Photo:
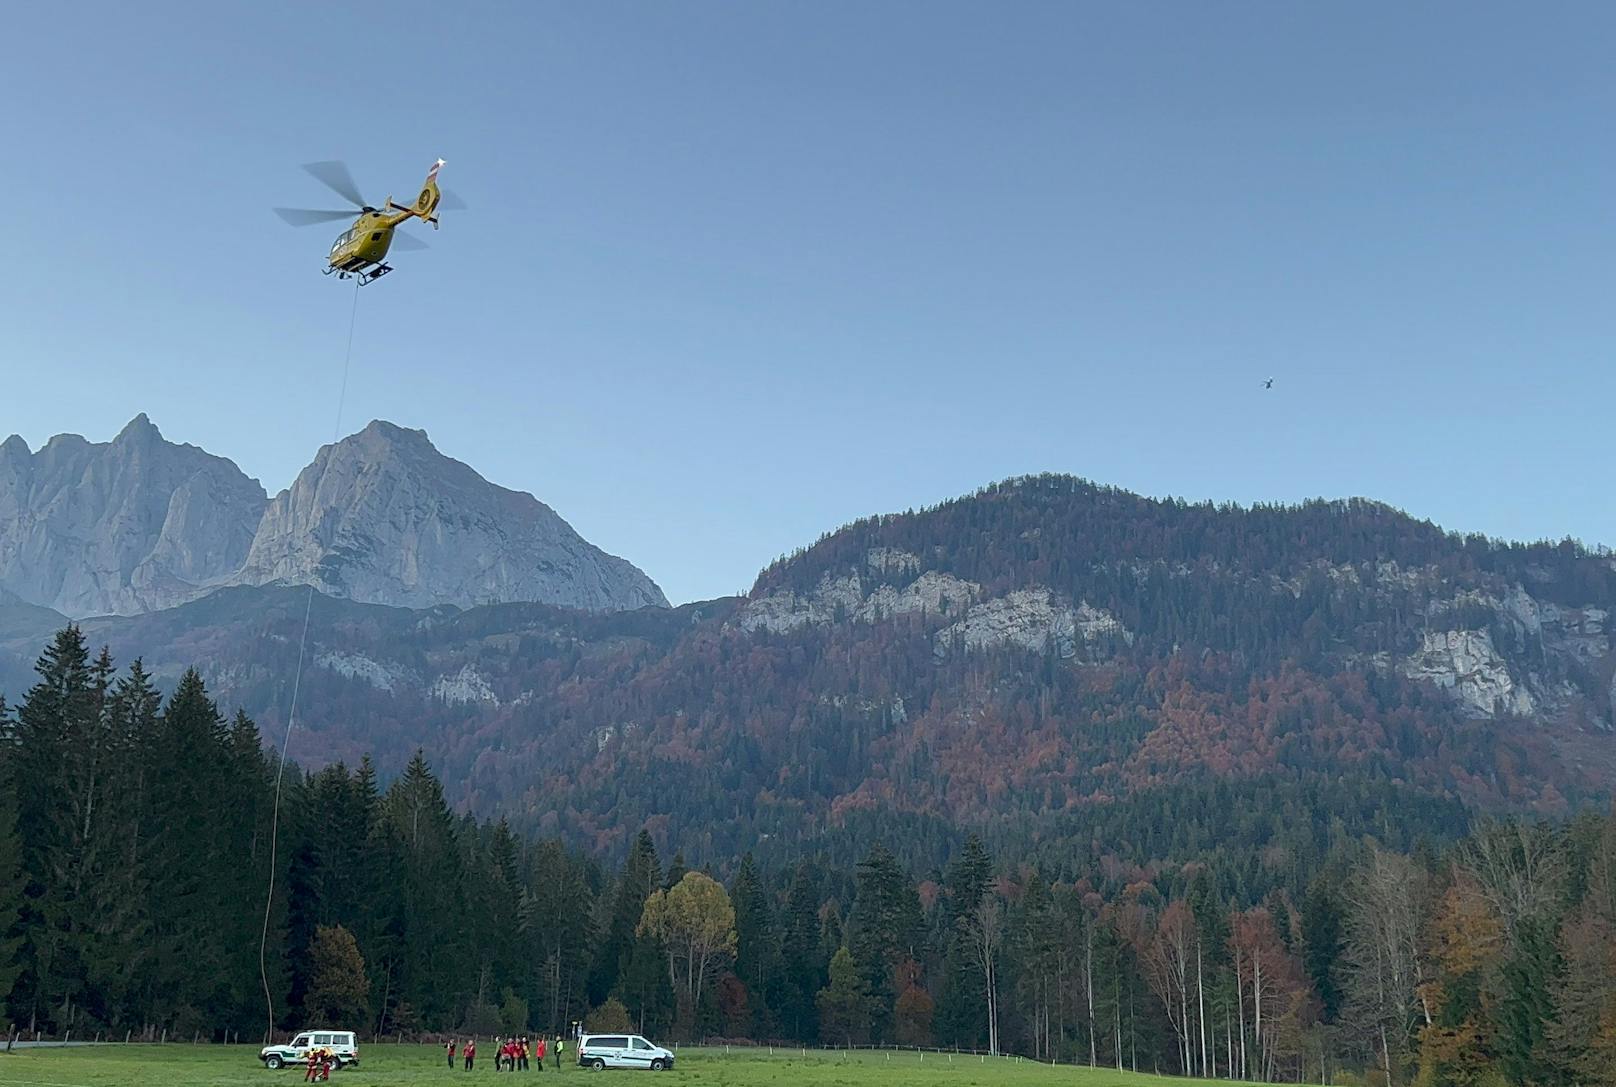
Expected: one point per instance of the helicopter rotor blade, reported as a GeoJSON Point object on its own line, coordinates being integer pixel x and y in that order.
{"type": "Point", "coordinates": [409, 243]}
{"type": "Point", "coordinates": [309, 216]}
{"type": "Point", "coordinates": [451, 202]}
{"type": "Point", "coordinates": [334, 175]}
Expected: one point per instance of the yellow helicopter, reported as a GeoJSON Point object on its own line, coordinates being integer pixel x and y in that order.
{"type": "Point", "coordinates": [361, 251]}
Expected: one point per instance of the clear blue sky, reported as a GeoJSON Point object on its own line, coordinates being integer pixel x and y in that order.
{"type": "Point", "coordinates": [739, 272]}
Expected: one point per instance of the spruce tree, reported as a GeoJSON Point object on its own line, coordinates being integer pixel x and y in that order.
{"type": "Point", "coordinates": [676, 871]}
{"type": "Point", "coordinates": [1322, 943]}
{"type": "Point", "coordinates": [56, 772]}
{"type": "Point", "coordinates": [801, 965]}
{"type": "Point", "coordinates": [557, 923]}
{"type": "Point", "coordinates": [844, 1009]}
{"type": "Point", "coordinates": [642, 874]}
{"type": "Point", "coordinates": [11, 877]}
{"type": "Point", "coordinates": [962, 1010]}
{"type": "Point", "coordinates": [434, 969]}
{"type": "Point", "coordinates": [757, 952]}
{"type": "Point", "coordinates": [339, 992]}
{"type": "Point", "coordinates": [1527, 1007]}
{"type": "Point", "coordinates": [885, 929]}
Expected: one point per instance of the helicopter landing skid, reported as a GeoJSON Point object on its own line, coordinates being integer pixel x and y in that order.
{"type": "Point", "coordinates": [363, 276]}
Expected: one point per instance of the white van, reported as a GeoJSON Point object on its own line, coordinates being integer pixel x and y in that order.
{"type": "Point", "coordinates": [622, 1051]}
{"type": "Point", "coordinates": [341, 1043]}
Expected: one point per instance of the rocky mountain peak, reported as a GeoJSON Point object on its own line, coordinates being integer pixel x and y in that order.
{"type": "Point", "coordinates": [141, 523]}
{"type": "Point", "coordinates": [121, 527]}
{"type": "Point", "coordinates": [379, 435]}
{"type": "Point", "coordinates": [384, 517]}
{"type": "Point", "coordinates": [140, 429]}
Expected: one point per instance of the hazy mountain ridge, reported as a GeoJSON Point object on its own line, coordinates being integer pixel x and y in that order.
{"type": "Point", "coordinates": [1019, 657]}
{"type": "Point", "coordinates": [141, 524]}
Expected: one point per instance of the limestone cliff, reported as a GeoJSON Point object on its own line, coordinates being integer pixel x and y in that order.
{"type": "Point", "coordinates": [121, 527]}
{"type": "Point", "coordinates": [142, 524]}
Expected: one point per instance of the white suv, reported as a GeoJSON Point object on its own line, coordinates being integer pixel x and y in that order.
{"type": "Point", "coordinates": [340, 1042]}
{"type": "Point", "coordinates": [622, 1051]}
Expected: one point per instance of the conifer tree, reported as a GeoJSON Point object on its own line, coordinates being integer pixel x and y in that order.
{"type": "Point", "coordinates": [962, 1010]}
{"type": "Point", "coordinates": [434, 969]}
{"type": "Point", "coordinates": [642, 874]}
{"type": "Point", "coordinates": [339, 991]}
{"type": "Point", "coordinates": [1322, 941]}
{"type": "Point", "coordinates": [756, 951]}
{"type": "Point", "coordinates": [1529, 977]}
{"type": "Point", "coordinates": [800, 962]}
{"type": "Point", "coordinates": [58, 727]}
{"type": "Point", "coordinates": [885, 929]}
{"type": "Point", "coordinates": [557, 920]}
{"type": "Point", "coordinates": [11, 877]}
{"type": "Point", "coordinates": [843, 1005]}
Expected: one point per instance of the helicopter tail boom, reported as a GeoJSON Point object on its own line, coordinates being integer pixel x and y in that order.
{"type": "Point", "coordinates": [426, 204]}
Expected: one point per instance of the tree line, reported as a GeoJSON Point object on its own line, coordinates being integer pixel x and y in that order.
{"type": "Point", "coordinates": [135, 858]}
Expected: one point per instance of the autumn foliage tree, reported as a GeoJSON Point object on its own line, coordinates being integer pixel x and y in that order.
{"type": "Point", "coordinates": [1466, 949]}
{"type": "Point", "coordinates": [695, 921]}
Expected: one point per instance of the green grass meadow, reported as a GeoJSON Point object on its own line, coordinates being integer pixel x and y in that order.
{"type": "Point", "coordinates": [227, 1066]}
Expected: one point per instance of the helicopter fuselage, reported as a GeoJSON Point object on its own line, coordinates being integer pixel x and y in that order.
{"type": "Point", "coordinates": [365, 243]}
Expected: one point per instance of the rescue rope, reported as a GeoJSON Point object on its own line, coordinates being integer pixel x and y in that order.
{"type": "Point", "coordinates": [291, 716]}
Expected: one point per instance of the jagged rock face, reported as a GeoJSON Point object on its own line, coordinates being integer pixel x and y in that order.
{"type": "Point", "coordinates": [121, 527]}
{"type": "Point", "coordinates": [1467, 665]}
{"type": "Point", "coordinates": [839, 598]}
{"type": "Point", "coordinates": [465, 686]}
{"type": "Point", "coordinates": [141, 524]}
{"type": "Point", "coordinates": [383, 517]}
{"type": "Point", "coordinates": [1034, 619]}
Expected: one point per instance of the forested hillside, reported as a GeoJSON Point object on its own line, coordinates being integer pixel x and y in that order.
{"type": "Point", "coordinates": [1077, 674]}
{"type": "Point", "coordinates": [135, 857]}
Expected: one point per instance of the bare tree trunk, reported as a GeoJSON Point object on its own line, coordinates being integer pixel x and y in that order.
{"type": "Point", "coordinates": [1240, 999]}
{"type": "Point", "coordinates": [1088, 982]}
{"type": "Point", "coordinates": [1228, 1041]}
{"type": "Point", "coordinates": [1256, 1007]}
{"type": "Point", "coordinates": [1116, 989]}
{"type": "Point", "coordinates": [1200, 1000]}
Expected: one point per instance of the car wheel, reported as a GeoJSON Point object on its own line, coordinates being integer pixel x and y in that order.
{"type": "Point", "coordinates": [272, 1062]}
{"type": "Point", "coordinates": [656, 1065]}
{"type": "Point", "coordinates": [598, 1064]}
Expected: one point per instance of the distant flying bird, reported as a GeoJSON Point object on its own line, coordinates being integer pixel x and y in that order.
{"type": "Point", "coordinates": [1269, 384]}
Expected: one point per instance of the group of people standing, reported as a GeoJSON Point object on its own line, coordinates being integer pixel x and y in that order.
{"type": "Point", "coordinates": [319, 1065]}
{"type": "Point", "coordinates": [512, 1055]}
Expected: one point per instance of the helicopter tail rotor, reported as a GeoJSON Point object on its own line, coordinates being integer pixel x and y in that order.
{"type": "Point", "coordinates": [426, 204]}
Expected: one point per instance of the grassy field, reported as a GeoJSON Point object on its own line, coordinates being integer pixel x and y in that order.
{"type": "Point", "coordinates": [227, 1066]}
